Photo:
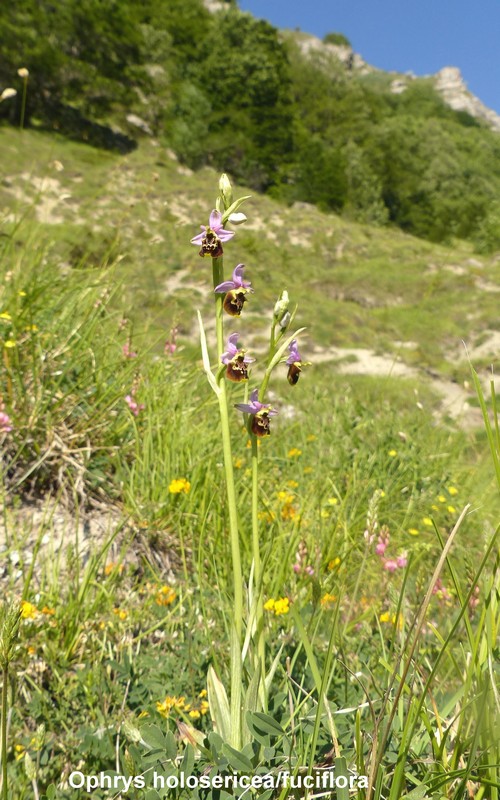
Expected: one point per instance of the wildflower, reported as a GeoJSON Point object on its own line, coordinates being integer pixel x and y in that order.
{"type": "Point", "coordinates": [413, 531]}
{"type": "Point", "coordinates": [194, 714]}
{"type": "Point", "coordinates": [292, 484]}
{"type": "Point", "coordinates": [382, 543]}
{"type": "Point", "coordinates": [213, 236]}
{"type": "Point", "coordinates": [392, 453]}
{"type": "Point", "coordinates": [332, 501]}
{"type": "Point", "coordinates": [238, 463]}
{"type": "Point", "coordinates": [203, 693]}
{"type": "Point", "coordinates": [9, 343]}
{"type": "Point", "coordinates": [451, 509]}
{"type": "Point", "coordinates": [5, 422]}
{"type": "Point", "coordinates": [204, 707]}
{"type": "Point", "coordinates": [235, 360]}
{"type": "Point", "coordinates": [112, 567]}
{"type": "Point", "coordinates": [452, 490]}
{"type": "Point", "coordinates": [295, 363]}
{"type": "Point", "coordinates": [135, 407]}
{"type": "Point", "coordinates": [390, 564]}
{"type": "Point", "coordinates": [120, 613]}
{"type": "Point", "coordinates": [165, 596]}
{"type": "Point", "coordinates": [170, 704]}
{"type": "Point", "coordinates": [402, 560]}
{"type": "Point", "coordinates": [178, 485]}
{"type": "Point", "coordinates": [335, 562]}
{"type": "Point", "coordinates": [328, 599]}
{"type": "Point", "coordinates": [294, 452]}
{"type": "Point", "coordinates": [288, 512]}
{"type": "Point", "coordinates": [278, 607]}
{"type": "Point", "coordinates": [427, 521]}
{"type": "Point", "coordinates": [28, 610]}
{"type": "Point", "coordinates": [260, 412]}
{"type": "Point", "coordinates": [7, 93]}
{"type": "Point", "coordinates": [23, 72]}
{"type": "Point", "coordinates": [127, 352]}
{"type": "Point", "coordinates": [235, 291]}
{"type": "Point", "coordinates": [442, 498]}
{"type": "Point", "coordinates": [5, 315]}
{"type": "Point", "coordinates": [49, 612]}
{"type": "Point", "coordinates": [171, 344]}
{"type": "Point", "coordinates": [311, 438]}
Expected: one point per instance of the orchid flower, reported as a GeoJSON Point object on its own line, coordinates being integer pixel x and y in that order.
{"type": "Point", "coordinates": [261, 412]}
{"type": "Point", "coordinates": [236, 360]}
{"type": "Point", "coordinates": [295, 363]}
{"type": "Point", "coordinates": [235, 290]}
{"type": "Point", "coordinates": [212, 236]}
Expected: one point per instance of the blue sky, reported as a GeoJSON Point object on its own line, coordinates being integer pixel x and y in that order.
{"type": "Point", "coordinates": [421, 36]}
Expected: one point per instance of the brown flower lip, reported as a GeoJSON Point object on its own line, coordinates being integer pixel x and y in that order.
{"type": "Point", "coordinates": [234, 301]}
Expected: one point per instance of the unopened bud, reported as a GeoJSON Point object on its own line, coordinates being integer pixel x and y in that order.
{"type": "Point", "coordinates": [7, 93]}
{"type": "Point", "coordinates": [129, 762]}
{"type": "Point", "coordinates": [285, 321]}
{"type": "Point", "coordinates": [23, 72]}
{"type": "Point", "coordinates": [132, 733]}
{"type": "Point", "coordinates": [281, 307]}
{"type": "Point", "coordinates": [226, 190]}
{"type": "Point", "coordinates": [237, 218]}
{"type": "Point", "coordinates": [29, 767]}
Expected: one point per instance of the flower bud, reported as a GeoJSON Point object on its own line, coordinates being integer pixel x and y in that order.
{"type": "Point", "coordinates": [237, 218]}
{"type": "Point", "coordinates": [226, 190]}
{"type": "Point", "coordinates": [285, 321]}
{"type": "Point", "coordinates": [7, 93]}
{"type": "Point", "coordinates": [281, 307]}
{"type": "Point", "coordinates": [23, 72]}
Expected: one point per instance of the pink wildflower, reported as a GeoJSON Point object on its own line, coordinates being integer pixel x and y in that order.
{"type": "Point", "coordinates": [5, 423]}
{"type": "Point", "coordinates": [382, 544]}
{"type": "Point", "coordinates": [390, 565]}
{"type": "Point", "coordinates": [127, 352]}
{"type": "Point", "coordinates": [402, 560]}
{"type": "Point", "coordinates": [134, 407]}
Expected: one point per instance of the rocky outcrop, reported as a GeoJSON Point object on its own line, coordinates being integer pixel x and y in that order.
{"type": "Point", "coordinates": [451, 85]}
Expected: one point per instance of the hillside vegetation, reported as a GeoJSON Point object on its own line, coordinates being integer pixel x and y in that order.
{"type": "Point", "coordinates": [233, 92]}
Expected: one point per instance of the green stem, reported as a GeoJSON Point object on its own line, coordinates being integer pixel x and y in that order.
{"type": "Point", "coordinates": [5, 675]}
{"type": "Point", "coordinates": [237, 625]}
{"type": "Point", "coordinates": [23, 105]}
{"type": "Point", "coordinates": [257, 566]}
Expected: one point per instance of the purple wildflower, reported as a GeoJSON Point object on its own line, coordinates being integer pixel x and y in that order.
{"type": "Point", "coordinates": [236, 360]}
{"type": "Point", "coordinates": [261, 412]}
{"type": "Point", "coordinates": [212, 236]}
{"type": "Point", "coordinates": [235, 291]}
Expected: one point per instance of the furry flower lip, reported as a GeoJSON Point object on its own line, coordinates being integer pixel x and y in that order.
{"type": "Point", "coordinates": [260, 412]}
{"type": "Point", "coordinates": [235, 291]}
{"type": "Point", "coordinates": [295, 363]}
{"type": "Point", "coordinates": [212, 236]}
{"type": "Point", "coordinates": [235, 360]}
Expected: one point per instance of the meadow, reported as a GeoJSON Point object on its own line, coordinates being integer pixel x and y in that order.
{"type": "Point", "coordinates": [186, 597]}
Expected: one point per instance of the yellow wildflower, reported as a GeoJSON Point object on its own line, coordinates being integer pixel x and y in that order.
{"type": "Point", "coordinates": [286, 497]}
{"type": "Point", "coordinates": [5, 315]}
{"type": "Point", "coordinates": [194, 714]}
{"type": "Point", "coordinates": [413, 531]}
{"type": "Point", "coordinates": [435, 507]}
{"type": "Point", "coordinates": [267, 516]}
{"type": "Point", "coordinates": [392, 453]}
{"type": "Point", "coordinates": [238, 463]}
{"type": "Point", "coordinates": [9, 343]}
{"type": "Point", "coordinates": [308, 470]}
{"type": "Point", "coordinates": [451, 509]}
{"type": "Point", "coordinates": [294, 452]}
{"type": "Point", "coordinates": [332, 501]}
{"type": "Point", "coordinates": [112, 566]}
{"type": "Point", "coordinates": [328, 599]}
{"type": "Point", "coordinates": [203, 693]}
{"type": "Point", "coordinates": [120, 613]}
{"type": "Point", "coordinates": [178, 485]}
{"type": "Point", "coordinates": [22, 294]}
{"type": "Point", "coordinates": [269, 604]}
{"type": "Point", "coordinates": [427, 521]}
{"type": "Point", "coordinates": [282, 606]}
{"type": "Point", "coordinates": [325, 513]}
{"type": "Point", "coordinates": [288, 512]}
{"type": "Point", "coordinates": [165, 596]}
{"type": "Point", "coordinates": [334, 563]}
{"type": "Point", "coordinates": [48, 611]}
{"type": "Point", "coordinates": [385, 617]}
{"type": "Point", "coordinates": [452, 490]}
{"type": "Point", "coordinates": [442, 498]}
{"type": "Point", "coordinates": [28, 610]}
{"type": "Point", "coordinates": [292, 484]}
{"type": "Point", "coordinates": [204, 707]}
{"type": "Point", "coordinates": [311, 438]}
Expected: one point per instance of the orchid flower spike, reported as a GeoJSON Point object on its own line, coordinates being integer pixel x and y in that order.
{"type": "Point", "coordinates": [295, 363]}
{"type": "Point", "coordinates": [261, 412]}
{"type": "Point", "coordinates": [236, 361]}
{"type": "Point", "coordinates": [236, 291]}
{"type": "Point", "coordinates": [212, 236]}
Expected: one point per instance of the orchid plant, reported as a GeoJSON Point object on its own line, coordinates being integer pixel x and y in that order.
{"type": "Point", "coordinates": [233, 364]}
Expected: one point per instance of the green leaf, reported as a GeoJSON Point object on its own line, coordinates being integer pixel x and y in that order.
{"type": "Point", "coordinates": [237, 760]}
{"type": "Point", "coordinates": [153, 737]}
{"type": "Point", "coordinates": [187, 762]}
{"type": "Point", "coordinates": [219, 705]}
{"type": "Point", "coordinates": [341, 769]}
{"type": "Point", "coordinates": [170, 746]}
{"type": "Point", "coordinates": [267, 724]}
{"type": "Point", "coordinates": [418, 793]}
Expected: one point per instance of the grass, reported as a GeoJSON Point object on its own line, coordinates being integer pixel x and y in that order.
{"type": "Point", "coordinates": [127, 583]}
